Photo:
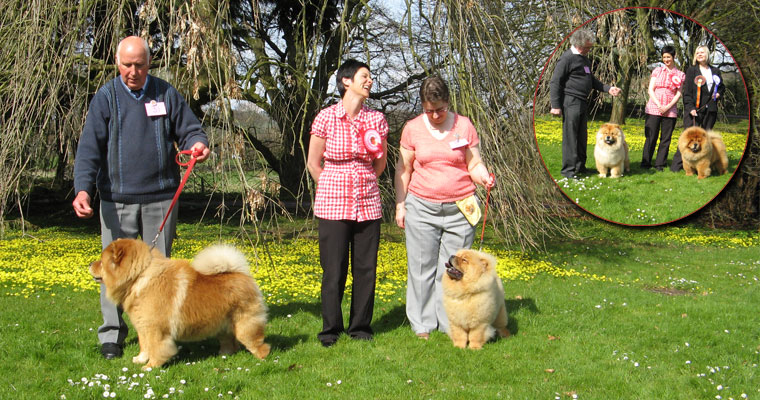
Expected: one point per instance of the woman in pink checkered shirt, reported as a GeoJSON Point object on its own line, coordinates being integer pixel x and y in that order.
{"type": "Point", "coordinates": [438, 165]}
{"type": "Point", "coordinates": [347, 152]}
{"type": "Point", "coordinates": [661, 111]}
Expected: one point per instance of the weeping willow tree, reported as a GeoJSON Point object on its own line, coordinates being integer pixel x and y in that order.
{"type": "Point", "coordinates": [281, 56]}
{"type": "Point", "coordinates": [44, 84]}
{"type": "Point", "coordinates": [56, 54]}
{"type": "Point", "coordinates": [490, 53]}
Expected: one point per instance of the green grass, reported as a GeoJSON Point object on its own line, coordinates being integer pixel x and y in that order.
{"type": "Point", "coordinates": [640, 197]}
{"type": "Point", "coordinates": [625, 313]}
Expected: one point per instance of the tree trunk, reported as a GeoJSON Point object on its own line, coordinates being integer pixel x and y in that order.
{"type": "Point", "coordinates": [620, 103]}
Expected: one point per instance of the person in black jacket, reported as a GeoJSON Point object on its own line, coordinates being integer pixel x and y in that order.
{"type": "Point", "coordinates": [570, 87]}
{"type": "Point", "coordinates": [700, 99]}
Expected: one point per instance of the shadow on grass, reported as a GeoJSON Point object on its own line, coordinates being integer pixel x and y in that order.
{"type": "Point", "coordinates": [390, 320]}
{"type": "Point", "coordinates": [515, 305]}
{"type": "Point", "coordinates": [282, 310]}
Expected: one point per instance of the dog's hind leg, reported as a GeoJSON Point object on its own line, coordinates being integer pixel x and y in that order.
{"type": "Point", "coordinates": [722, 164]}
{"type": "Point", "coordinates": [500, 324]}
{"type": "Point", "coordinates": [250, 332]}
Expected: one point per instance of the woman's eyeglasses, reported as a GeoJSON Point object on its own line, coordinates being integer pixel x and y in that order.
{"type": "Point", "coordinates": [437, 111]}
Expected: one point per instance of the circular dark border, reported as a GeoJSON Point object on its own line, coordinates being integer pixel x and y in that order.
{"type": "Point", "coordinates": [541, 77]}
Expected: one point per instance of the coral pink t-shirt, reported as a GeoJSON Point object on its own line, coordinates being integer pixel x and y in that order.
{"type": "Point", "coordinates": [439, 172]}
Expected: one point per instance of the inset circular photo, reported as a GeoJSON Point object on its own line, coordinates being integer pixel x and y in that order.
{"type": "Point", "coordinates": [641, 116]}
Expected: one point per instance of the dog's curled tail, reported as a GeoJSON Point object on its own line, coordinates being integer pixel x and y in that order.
{"type": "Point", "coordinates": [220, 258]}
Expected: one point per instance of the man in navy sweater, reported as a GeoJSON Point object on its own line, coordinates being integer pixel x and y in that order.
{"type": "Point", "coordinates": [126, 153]}
{"type": "Point", "coordinates": [570, 86]}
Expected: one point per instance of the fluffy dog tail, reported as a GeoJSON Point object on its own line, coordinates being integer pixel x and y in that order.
{"type": "Point", "coordinates": [220, 258]}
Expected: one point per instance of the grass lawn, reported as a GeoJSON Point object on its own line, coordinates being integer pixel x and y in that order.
{"type": "Point", "coordinates": [641, 196]}
{"type": "Point", "coordinates": [627, 313]}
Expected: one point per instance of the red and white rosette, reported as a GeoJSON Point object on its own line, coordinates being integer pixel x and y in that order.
{"type": "Point", "coordinates": [373, 142]}
{"type": "Point", "coordinates": [675, 81]}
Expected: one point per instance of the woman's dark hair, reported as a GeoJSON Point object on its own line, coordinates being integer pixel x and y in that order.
{"type": "Point", "coordinates": [669, 50]}
{"type": "Point", "coordinates": [434, 89]}
{"type": "Point", "coordinates": [347, 70]}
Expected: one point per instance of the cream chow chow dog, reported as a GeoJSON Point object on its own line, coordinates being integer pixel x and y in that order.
{"type": "Point", "coordinates": [473, 297]}
{"type": "Point", "coordinates": [611, 151]}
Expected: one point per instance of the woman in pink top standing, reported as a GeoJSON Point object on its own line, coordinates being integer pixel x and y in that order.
{"type": "Point", "coordinates": [347, 201]}
{"type": "Point", "coordinates": [438, 165]}
{"type": "Point", "coordinates": [661, 111]}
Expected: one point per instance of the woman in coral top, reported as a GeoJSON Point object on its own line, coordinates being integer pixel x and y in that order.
{"type": "Point", "coordinates": [347, 201]}
{"type": "Point", "coordinates": [661, 111]}
{"type": "Point", "coordinates": [438, 165]}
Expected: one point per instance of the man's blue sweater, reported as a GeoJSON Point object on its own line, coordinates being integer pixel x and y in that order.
{"type": "Point", "coordinates": [128, 155]}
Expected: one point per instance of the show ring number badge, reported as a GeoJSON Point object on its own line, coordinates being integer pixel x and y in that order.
{"type": "Point", "coordinates": [459, 143]}
{"type": "Point", "coordinates": [155, 109]}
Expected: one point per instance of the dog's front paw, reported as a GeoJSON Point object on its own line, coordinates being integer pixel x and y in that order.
{"type": "Point", "coordinates": [476, 345]}
{"type": "Point", "coordinates": [141, 358]}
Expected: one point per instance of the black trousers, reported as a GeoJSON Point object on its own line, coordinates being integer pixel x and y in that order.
{"type": "Point", "coordinates": [338, 239]}
{"type": "Point", "coordinates": [574, 136]}
{"type": "Point", "coordinates": [657, 127]}
{"type": "Point", "coordinates": [705, 120]}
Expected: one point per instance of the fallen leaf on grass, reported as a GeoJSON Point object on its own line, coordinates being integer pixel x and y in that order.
{"type": "Point", "coordinates": [549, 370]}
{"type": "Point", "coordinates": [552, 337]}
{"type": "Point", "coordinates": [294, 366]}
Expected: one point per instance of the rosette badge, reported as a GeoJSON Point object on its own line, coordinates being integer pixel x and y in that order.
{"type": "Point", "coordinates": [716, 82]}
{"type": "Point", "coordinates": [373, 142]}
{"type": "Point", "coordinates": [699, 80]}
{"type": "Point", "coordinates": [676, 81]}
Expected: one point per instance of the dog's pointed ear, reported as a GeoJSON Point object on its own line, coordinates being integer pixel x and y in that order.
{"type": "Point", "coordinates": [483, 262]}
{"type": "Point", "coordinates": [118, 251]}
{"type": "Point", "coordinates": [487, 260]}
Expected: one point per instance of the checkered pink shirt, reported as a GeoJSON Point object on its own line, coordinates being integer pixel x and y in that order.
{"type": "Point", "coordinates": [347, 187]}
{"type": "Point", "coordinates": [666, 84]}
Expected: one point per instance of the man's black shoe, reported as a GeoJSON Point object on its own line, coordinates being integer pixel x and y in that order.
{"type": "Point", "coordinates": [111, 350]}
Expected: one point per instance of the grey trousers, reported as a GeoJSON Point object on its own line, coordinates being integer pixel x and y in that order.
{"type": "Point", "coordinates": [434, 232]}
{"type": "Point", "coordinates": [119, 221]}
